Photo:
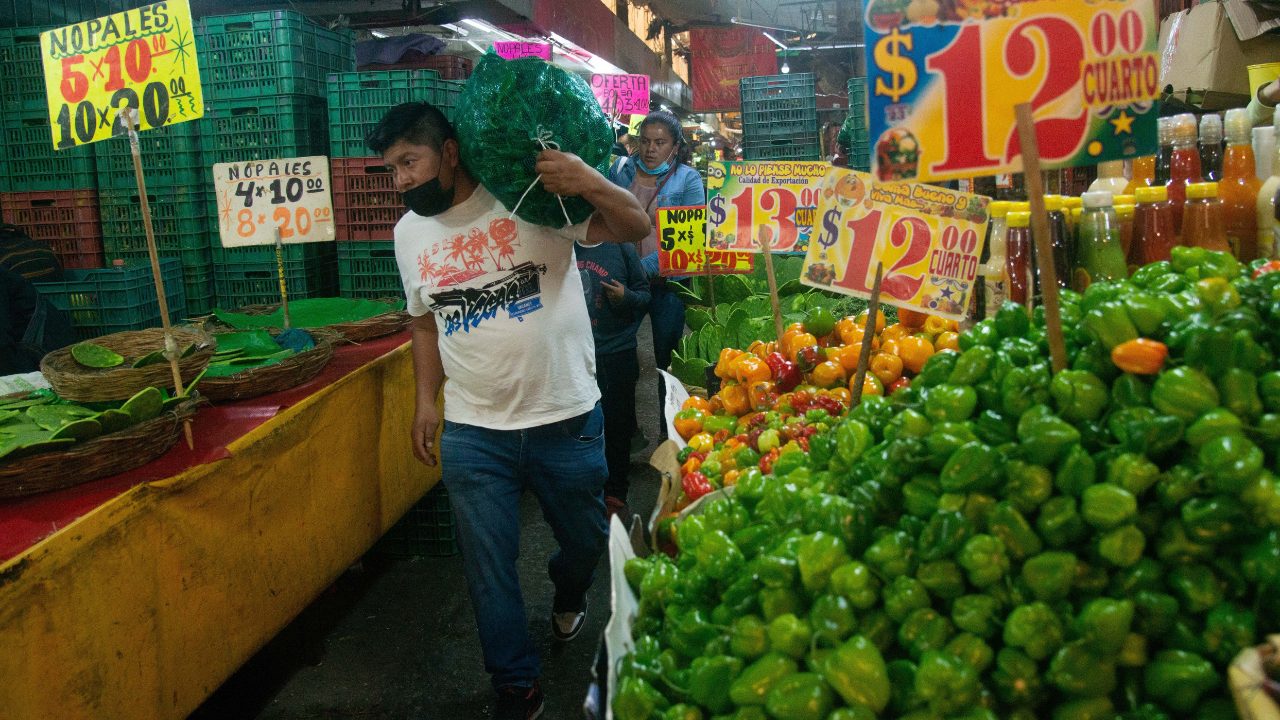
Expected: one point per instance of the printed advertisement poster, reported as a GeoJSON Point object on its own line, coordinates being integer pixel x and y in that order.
{"type": "Point", "coordinates": [773, 200]}
{"type": "Point", "coordinates": [928, 240]}
{"type": "Point", "coordinates": [682, 246]}
{"type": "Point", "coordinates": [144, 59]}
{"type": "Point", "coordinates": [719, 57]}
{"type": "Point", "coordinates": [943, 79]}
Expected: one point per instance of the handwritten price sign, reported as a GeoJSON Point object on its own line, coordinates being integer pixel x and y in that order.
{"type": "Point", "coordinates": [942, 88]}
{"type": "Point", "coordinates": [773, 200]}
{"type": "Point", "coordinates": [517, 50]}
{"type": "Point", "coordinates": [928, 240]}
{"type": "Point", "coordinates": [622, 93]}
{"type": "Point", "coordinates": [255, 198]}
{"type": "Point", "coordinates": [144, 59]}
{"type": "Point", "coordinates": [682, 246]}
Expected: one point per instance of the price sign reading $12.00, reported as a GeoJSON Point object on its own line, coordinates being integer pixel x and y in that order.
{"type": "Point", "coordinates": [682, 246]}
{"type": "Point", "coordinates": [943, 80]}
{"type": "Point", "coordinates": [258, 197]}
{"type": "Point", "coordinates": [144, 59]}
{"type": "Point", "coordinates": [928, 240]}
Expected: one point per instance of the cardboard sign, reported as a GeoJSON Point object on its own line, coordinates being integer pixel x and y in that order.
{"type": "Point", "coordinates": [776, 199]}
{"type": "Point", "coordinates": [682, 246]}
{"type": "Point", "coordinates": [622, 93]}
{"type": "Point", "coordinates": [254, 198]}
{"type": "Point", "coordinates": [516, 50]}
{"type": "Point", "coordinates": [928, 239]}
{"type": "Point", "coordinates": [942, 87]}
{"type": "Point", "coordinates": [143, 59]}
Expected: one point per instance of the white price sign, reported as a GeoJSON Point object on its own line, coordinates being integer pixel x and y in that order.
{"type": "Point", "coordinates": [257, 198]}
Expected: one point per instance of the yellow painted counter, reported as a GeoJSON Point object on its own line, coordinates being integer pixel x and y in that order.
{"type": "Point", "coordinates": [143, 607]}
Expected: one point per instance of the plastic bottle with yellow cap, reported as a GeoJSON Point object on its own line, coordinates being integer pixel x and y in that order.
{"type": "Point", "coordinates": [1202, 218]}
{"type": "Point", "coordinates": [993, 270]}
{"type": "Point", "coordinates": [1154, 234]}
{"type": "Point", "coordinates": [1238, 189]}
{"type": "Point", "coordinates": [1070, 203]}
{"type": "Point", "coordinates": [1020, 263]}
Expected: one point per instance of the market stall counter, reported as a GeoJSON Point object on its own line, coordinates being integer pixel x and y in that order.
{"type": "Point", "coordinates": [138, 595]}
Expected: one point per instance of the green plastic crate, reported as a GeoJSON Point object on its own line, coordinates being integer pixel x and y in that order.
{"type": "Point", "coordinates": [31, 162]}
{"type": "Point", "coordinates": [778, 106]}
{"type": "Point", "coordinates": [278, 52]}
{"type": "Point", "coordinates": [197, 276]}
{"type": "Point", "coordinates": [425, 530]}
{"type": "Point", "coordinates": [102, 302]}
{"type": "Point", "coordinates": [170, 159]}
{"type": "Point", "coordinates": [258, 283]}
{"type": "Point", "coordinates": [368, 270]}
{"type": "Point", "coordinates": [21, 70]}
{"type": "Point", "coordinates": [311, 252]}
{"type": "Point", "coordinates": [357, 101]}
{"type": "Point", "coordinates": [179, 220]}
{"type": "Point", "coordinates": [263, 128]}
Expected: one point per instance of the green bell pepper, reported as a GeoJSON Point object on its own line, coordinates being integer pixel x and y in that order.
{"type": "Point", "coordinates": [1214, 424]}
{"type": "Point", "coordinates": [710, 679]}
{"type": "Point", "coordinates": [1035, 628]}
{"type": "Point", "coordinates": [1146, 574]}
{"type": "Point", "coordinates": [903, 596]}
{"type": "Point", "coordinates": [924, 630]}
{"type": "Point", "coordinates": [636, 699]}
{"type": "Point", "coordinates": [1147, 274]}
{"type": "Point", "coordinates": [1154, 613]}
{"type": "Point", "coordinates": [945, 534]}
{"type": "Point", "coordinates": [1005, 522]}
{"type": "Point", "coordinates": [1179, 484]}
{"type": "Point", "coordinates": [1196, 587]}
{"type": "Point", "coordinates": [1178, 679]}
{"type": "Point", "coordinates": [852, 439]}
{"type": "Point", "coordinates": [972, 468]}
{"type": "Point", "coordinates": [1185, 393]}
{"type": "Point", "coordinates": [973, 650]}
{"type": "Point", "coordinates": [952, 403]}
{"type": "Point", "coordinates": [1109, 323]}
{"type": "Point", "coordinates": [1076, 669]}
{"type": "Point", "coordinates": [892, 555]}
{"type": "Point", "coordinates": [1260, 562]}
{"type": "Point", "coordinates": [1051, 574]}
{"type": "Point", "coordinates": [975, 614]}
{"type": "Point", "coordinates": [801, 696]}
{"type": "Point", "coordinates": [879, 628]}
{"type": "Point", "coordinates": [856, 583]}
{"type": "Point", "coordinates": [1230, 462]}
{"type": "Point", "coordinates": [790, 636]}
{"type": "Point", "coordinates": [947, 683]}
{"type": "Point", "coordinates": [818, 556]}
{"type": "Point", "coordinates": [689, 633]}
{"type": "Point", "coordinates": [1045, 437]}
{"type": "Point", "coordinates": [683, 712]}
{"type": "Point", "coordinates": [832, 618]}
{"type": "Point", "coordinates": [1238, 390]}
{"type": "Point", "coordinates": [1269, 389]}
{"type": "Point", "coordinates": [1174, 546]}
{"type": "Point", "coordinates": [749, 637]}
{"type": "Point", "coordinates": [1027, 486]}
{"type": "Point", "coordinates": [1108, 506]}
{"type": "Point", "coordinates": [1247, 354]}
{"type": "Point", "coordinates": [1059, 522]}
{"type": "Point", "coordinates": [1017, 679]}
{"type": "Point", "coordinates": [752, 687]}
{"type": "Point", "coordinates": [1097, 708]}
{"type": "Point", "coordinates": [1024, 388]}
{"type": "Point", "coordinates": [1208, 349]}
{"type": "Point", "coordinates": [1145, 431]}
{"type": "Point", "coordinates": [1122, 546]}
{"type": "Point", "coordinates": [1228, 629]}
{"type": "Point", "coordinates": [857, 672]}
{"type": "Point", "coordinates": [920, 496]}
{"type": "Point", "coordinates": [985, 558]}
{"type": "Point", "coordinates": [1103, 624]}
{"type": "Point", "coordinates": [1261, 499]}
{"type": "Point", "coordinates": [1148, 311]}
{"type": "Point", "coordinates": [779, 601]}
{"type": "Point", "coordinates": [993, 429]}
{"type": "Point", "coordinates": [942, 578]}
{"type": "Point", "coordinates": [1079, 395]}
{"type": "Point", "coordinates": [1130, 390]}
{"type": "Point", "coordinates": [972, 365]}
{"type": "Point", "coordinates": [1076, 472]}
{"type": "Point", "coordinates": [1213, 519]}
{"type": "Point", "coordinates": [1133, 472]}
{"type": "Point", "coordinates": [1011, 320]}
{"type": "Point", "coordinates": [718, 557]}
{"type": "Point", "coordinates": [946, 438]}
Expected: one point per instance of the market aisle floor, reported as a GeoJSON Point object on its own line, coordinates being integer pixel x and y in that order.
{"type": "Point", "coordinates": [397, 640]}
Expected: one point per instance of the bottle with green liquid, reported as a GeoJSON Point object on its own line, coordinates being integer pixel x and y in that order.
{"type": "Point", "coordinates": [1099, 255]}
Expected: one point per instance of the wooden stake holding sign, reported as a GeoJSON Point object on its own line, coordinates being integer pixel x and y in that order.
{"type": "Point", "coordinates": [1040, 234]}
{"type": "Point", "coordinates": [284, 291]}
{"type": "Point", "coordinates": [765, 238]}
{"type": "Point", "coordinates": [171, 349]}
{"type": "Point", "coordinates": [868, 337]}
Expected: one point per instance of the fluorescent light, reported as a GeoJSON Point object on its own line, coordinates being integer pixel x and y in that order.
{"type": "Point", "coordinates": [477, 47]}
{"type": "Point", "coordinates": [456, 29]}
{"type": "Point", "coordinates": [478, 24]}
{"type": "Point", "coordinates": [775, 40]}
{"type": "Point", "coordinates": [377, 34]}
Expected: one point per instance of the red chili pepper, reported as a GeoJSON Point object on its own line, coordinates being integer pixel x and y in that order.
{"type": "Point", "coordinates": [1269, 267]}
{"type": "Point", "coordinates": [720, 436]}
{"type": "Point", "coordinates": [803, 442]}
{"type": "Point", "coordinates": [766, 462]}
{"type": "Point", "coordinates": [898, 384]}
{"type": "Point", "coordinates": [695, 485]}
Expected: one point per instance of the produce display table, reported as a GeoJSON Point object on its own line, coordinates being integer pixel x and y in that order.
{"type": "Point", "coordinates": [138, 595]}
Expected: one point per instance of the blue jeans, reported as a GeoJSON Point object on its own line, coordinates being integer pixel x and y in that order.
{"type": "Point", "coordinates": [486, 472]}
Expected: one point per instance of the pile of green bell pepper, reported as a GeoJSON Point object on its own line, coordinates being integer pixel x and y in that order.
{"type": "Point", "coordinates": [997, 540]}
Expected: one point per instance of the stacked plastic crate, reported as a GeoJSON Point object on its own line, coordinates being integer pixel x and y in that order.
{"type": "Point", "coordinates": [264, 78]}
{"type": "Point", "coordinates": [50, 193]}
{"type": "Point", "coordinates": [366, 205]}
{"type": "Point", "coordinates": [779, 117]}
{"type": "Point", "coordinates": [860, 141]}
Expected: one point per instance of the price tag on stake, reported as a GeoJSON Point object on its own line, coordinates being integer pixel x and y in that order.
{"type": "Point", "coordinates": [257, 198]}
{"type": "Point", "coordinates": [746, 200]}
{"type": "Point", "coordinates": [943, 80]}
{"type": "Point", "coordinates": [682, 246]}
{"type": "Point", "coordinates": [144, 59]}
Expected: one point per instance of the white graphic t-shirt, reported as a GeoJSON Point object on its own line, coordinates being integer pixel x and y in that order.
{"type": "Point", "coordinates": [515, 337]}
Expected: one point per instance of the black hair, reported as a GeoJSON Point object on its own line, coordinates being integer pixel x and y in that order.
{"type": "Point", "coordinates": [684, 154]}
{"type": "Point", "coordinates": [417, 123]}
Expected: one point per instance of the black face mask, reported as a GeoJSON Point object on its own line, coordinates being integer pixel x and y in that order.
{"type": "Point", "coordinates": [429, 198]}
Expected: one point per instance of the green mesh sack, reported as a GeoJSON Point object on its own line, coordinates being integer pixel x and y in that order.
{"type": "Point", "coordinates": [506, 107]}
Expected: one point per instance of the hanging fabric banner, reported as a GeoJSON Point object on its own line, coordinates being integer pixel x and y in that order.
{"type": "Point", "coordinates": [720, 57]}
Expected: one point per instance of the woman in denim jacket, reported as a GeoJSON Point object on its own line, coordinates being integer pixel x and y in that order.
{"type": "Point", "coordinates": [659, 175]}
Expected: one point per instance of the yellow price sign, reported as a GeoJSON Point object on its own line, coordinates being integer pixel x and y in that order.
{"type": "Point", "coordinates": [143, 59]}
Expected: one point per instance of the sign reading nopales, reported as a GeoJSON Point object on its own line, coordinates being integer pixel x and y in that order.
{"type": "Point", "coordinates": [943, 79]}
{"type": "Point", "coordinates": [927, 238]}
{"type": "Point", "coordinates": [143, 59]}
{"type": "Point", "coordinates": [682, 246]}
{"type": "Point", "coordinates": [258, 197]}
{"type": "Point", "coordinates": [773, 200]}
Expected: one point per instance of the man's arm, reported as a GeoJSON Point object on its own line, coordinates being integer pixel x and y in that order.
{"type": "Point", "coordinates": [429, 375]}
{"type": "Point", "coordinates": [618, 217]}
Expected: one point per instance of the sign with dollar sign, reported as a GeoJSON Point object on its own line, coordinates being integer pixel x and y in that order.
{"type": "Point", "coordinates": [769, 200]}
{"type": "Point", "coordinates": [928, 240]}
{"type": "Point", "coordinates": [944, 77]}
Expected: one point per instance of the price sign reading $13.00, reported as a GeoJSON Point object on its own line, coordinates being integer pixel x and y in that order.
{"type": "Point", "coordinates": [928, 239]}
{"type": "Point", "coordinates": [770, 200]}
{"type": "Point", "coordinates": [258, 197]}
{"type": "Point", "coordinates": [682, 246]}
{"type": "Point", "coordinates": [144, 59]}
{"type": "Point", "coordinates": [943, 80]}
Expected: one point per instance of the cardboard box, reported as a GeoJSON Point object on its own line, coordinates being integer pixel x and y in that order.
{"type": "Point", "coordinates": [1201, 50]}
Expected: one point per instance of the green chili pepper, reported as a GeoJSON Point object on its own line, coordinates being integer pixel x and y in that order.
{"type": "Point", "coordinates": [1017, 679]}
{"type": "Point", "coordinates": [857, 672]}
{"type": "Point", "coordinates": [1176, 486]}
{"type": "Point", "coordinates": [1185, 393]}
{"type": "Point", "coordinates": [757, 679]}
{"type": "Point", "coordinates": [855, 582]}
{"type": "Point", "coordinates": [1076, 472]}
{"type": "Point", "coordinates": [1146, 574]}
{"type": "Point", "coordinates": [749, 637]}
{"type": "Point", "coordinates": [1178, 679]}
{"type": "Point", "coordinates": [892, 555]}
{"type": "Point", "coordinates": [942, 578]}
{"type": "Point", "coordinates": [1122, 546]}
{"type": "Point", "coordinates": [1228, 629]}
{"type": "Point", "coordinates": [636, 699]}
{"type": "Point", "coordinates": [920, 496]}
{"type": "Point", "coordinates": [946, 438]}
{"type": "Point", "coordinates": [1230, 462]}
{"type": "Point", "coordinates": [1005, 522]}
{"type": "Point", "coordinates": [1045, 437]}
{"type": "Point", "coordinates": [924, 630]}
{"type": "Point", "coordinates": [1143, 430]}
{"type": "Point", "coordinates": [1078, 670]}
{"type": "Point", "coordinates": [656, 585]}
{"type": "Point", "coordinates": [710, 679]}
{"type": "Point", "coordinates": [1108, 506]}
{"type": "Point", "coordinates": [975, 614]}
{"type": "Point", "coordinates": [1035, 628]}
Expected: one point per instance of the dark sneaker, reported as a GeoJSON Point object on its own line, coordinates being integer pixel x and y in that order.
{"type": "Point", "coordinates": [519, 703]}
{"type": "Point", "coordinates": [638, 441]}
{"type": "Point", "coordinates": [565, 626]}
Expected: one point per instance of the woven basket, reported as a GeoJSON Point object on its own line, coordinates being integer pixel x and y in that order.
{"type": "Point", "coordinates": [388, 323]}
{"type": "Point", "coordinates": [77, 383]}
{"type": "Point", "coordinates": [101, 457]}
{"type": "Point", "coordinates": [288, 373]}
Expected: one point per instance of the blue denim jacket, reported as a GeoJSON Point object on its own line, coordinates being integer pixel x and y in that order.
{"type": "Point", "coordinates": [683, 188]}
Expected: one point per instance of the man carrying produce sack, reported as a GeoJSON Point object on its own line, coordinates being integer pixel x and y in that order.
{"type": "Point", "coordinates": [498, 307]}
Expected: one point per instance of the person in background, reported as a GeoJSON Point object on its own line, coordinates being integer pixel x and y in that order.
{"type": "Point", "coordinates": [659, 175]}
{"type": "Point", "coordinates": [30, 326]}
{"type": "Point", "coordinates": [617, 294]}
{"type": "Point", "coordinates": [29, 258]}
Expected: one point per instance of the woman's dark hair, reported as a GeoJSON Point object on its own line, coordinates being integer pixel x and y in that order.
{"type": "Point", "coordinates": [417, 123]}
{"type": "Point", "coordinates": [684, 155]}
